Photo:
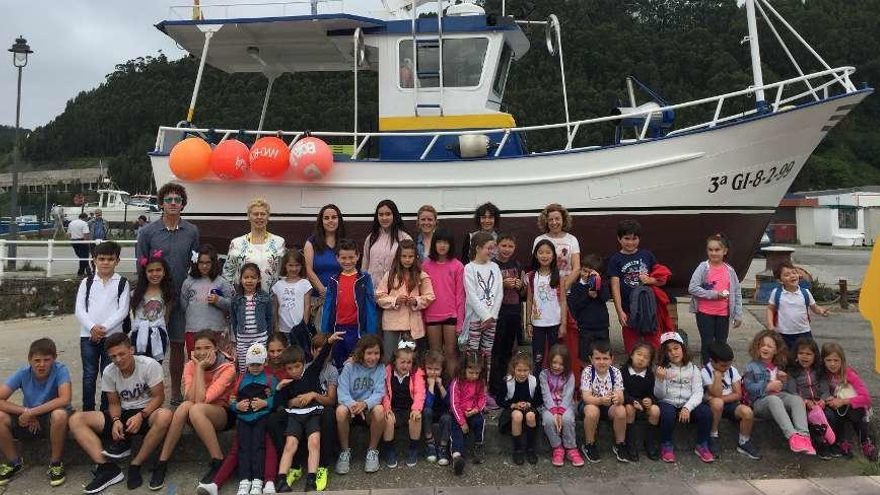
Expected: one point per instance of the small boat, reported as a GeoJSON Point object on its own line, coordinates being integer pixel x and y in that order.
{"type": "Point", "coordinates": [444, 139]}
{"type": "Point", "coordinates": [116, 207]}
{"type": "Point", "coordinates": [26, 224]}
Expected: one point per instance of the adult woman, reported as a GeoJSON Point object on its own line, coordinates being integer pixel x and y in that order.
{"type": "Point", "coordinates": [320, 255]}
{"type": "Point", "coordinates": [487, 218]}
{"type": "Point", "coordinates": [207, 384]}
{"type": "Point", "coordinates": [555, 223]}
{"type": "Point", "coordinates": [258, 246]}
{"type": "Point", "coordinates": [381, 243]}
{"type": "Point", "coordinates": [426, 220]}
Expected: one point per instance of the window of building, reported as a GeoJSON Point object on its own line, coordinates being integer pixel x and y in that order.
{"type": "Point", "coordinates": [846, 218]}
{"type": "Point", "coordinates": [463, 61]}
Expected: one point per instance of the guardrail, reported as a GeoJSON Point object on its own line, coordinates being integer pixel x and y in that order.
{"type": "Point", "coordinates": [51, 257]}
{"type": "Point", "coordinates": [253, 9]}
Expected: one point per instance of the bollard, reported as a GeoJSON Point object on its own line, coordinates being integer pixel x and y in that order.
{"type": "Point", "coordinates": [844, 294]}
{"type": "Point", "coordinates": [50, 257]}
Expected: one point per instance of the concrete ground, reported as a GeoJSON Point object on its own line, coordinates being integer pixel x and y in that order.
{"type": "Point", "coordinates": [826, 264]}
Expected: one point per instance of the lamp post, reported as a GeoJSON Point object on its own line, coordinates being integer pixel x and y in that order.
{"type": "Point", "coordinates": [20, 51]}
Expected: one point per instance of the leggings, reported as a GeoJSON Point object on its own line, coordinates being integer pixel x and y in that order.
{"type": "Point", "coordinates": [543, 338]}
{"type": "Point", "coordinates": [509, 324]}
{"type": "Point", "coordinates": [786, 409]}
{"type": "Point", "coordinates": [568, 438]}
{"type": "Point", "coordinates": [712, 328]}
{"type": "Point", "coordinates": [850, 415]}
{"type": "Point", "coordinates": [481, 339]}
{"type": "Point", "coordinates": [476, 425]}
{"type": "Point", "coordinates": [251, 448]}
{"type": "Point", "coordinates": [701, 415]}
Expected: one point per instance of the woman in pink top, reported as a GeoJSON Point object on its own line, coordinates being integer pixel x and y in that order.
{"type": "Point", "coordinates": [381, 243]}
{"type": "Point", "coordinates": [716, 297]}
{"type": "Point", "coordinates": [207, 384]}
{"type": "Point", "coordinates": [445, 315]}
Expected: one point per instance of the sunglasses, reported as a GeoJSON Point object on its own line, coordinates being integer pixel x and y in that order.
{"type": "Point", "coordinates": [172, 200]}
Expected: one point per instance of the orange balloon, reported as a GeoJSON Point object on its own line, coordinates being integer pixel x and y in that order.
{"type": "Point", "coordinates": [230, 159]}
{"type": "Point", "coordinates": [269, 157]}
{"type": "Point", "coordinates": [190, 159]}
{"type": "Point", "coordinates": [311, 158]}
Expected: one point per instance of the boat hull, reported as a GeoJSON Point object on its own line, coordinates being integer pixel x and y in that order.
{"type": "Point", "coordinates": [681, 188]}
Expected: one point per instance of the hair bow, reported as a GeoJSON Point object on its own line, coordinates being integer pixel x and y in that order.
{"type": "Point", "coordinates": [157, 253]}
{"type": "Point", "coordinates": [406, 344]}
{"type": "Point", "coordinates": [142, 261]}
{"type": "Point", "coordinates": [195, 256]}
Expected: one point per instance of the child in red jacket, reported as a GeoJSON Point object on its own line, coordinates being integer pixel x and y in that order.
{"type": "Point", "coordinates": [468, 397]}
{"type": "Point", "coordinates": [404, 398]}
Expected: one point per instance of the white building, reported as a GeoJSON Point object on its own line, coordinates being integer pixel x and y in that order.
{"type": "Point", "coordinates": [842, 217]}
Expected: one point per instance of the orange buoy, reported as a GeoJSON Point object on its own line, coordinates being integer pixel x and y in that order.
{"type": "Point", "coordinates": [190, 159]}
{"type": "Point", "coordinates": [230, 159]}
{"type": "Point", "coordinates": [269, 157]}
{"type": "Point", "coordinates": [311, 158]}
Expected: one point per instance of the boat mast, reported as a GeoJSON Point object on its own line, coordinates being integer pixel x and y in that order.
{"type": "Point", "coordinates": [754, 45]}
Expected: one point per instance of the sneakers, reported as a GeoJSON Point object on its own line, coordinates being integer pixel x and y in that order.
{"type": "Point", "coordinates": [800, 444]}
{"type": "Point", "coordinates": [118, 450]}
{"type": "Point", "coordinates": [704, 453]}
{"type": "Point", "coordinates": [107, 474]}
{"type": "Point", "coordinates": [430, 451]}
{"type": "Point", "coordinates": [157, 478]}
{"type": "Point", "coordinates": [371, 465]}
{"type": "Point", "coordinates": [846, 449]}
{"type": "Point", "coordinates": [213, 467]}
{"type": "Point", "coordinates": [311, 485]}
{"type": "Point", "coordinates": [412, 457]}
{"type": "Point", "coordinates": [282, 483]}
{"type": "Point", "coordinates": [574, 457]}
{"type": "Point", "coordinates": [834, 451]}
{"type": "Point", "coordinates": [293, 475]}
{"type": "Point", "coordinates": [56, 474]}
{"type": "Point", "coordinates": [256, 487]}
{"type": "Point", "coordinates": [870, 450]}
{"type": "Point", "coordinates": [557, 458]}
{"type": "Point", "coordinates": [621, 452]}
{"type": "Point", "coordinates": [748, 449]}
{"type": "Point", "coordinates": [443, 455]}
{"type": "Point", "coordinates": [207, 489]}
{"type": "Point", "coordinates": [134, 479]}
{"type": "Point", "coordinates": [531, 457]}
{"type": "Point", "coordinates": [591, 453]}
{"type": "Point", "coordinates": [390, 457]}
{"type": "Point", "coordinates": [343, 463]}
{"type": "Point", "coordinates": [667, 453]}
{"type": "Point", "coordinates": [458, 464]}
{"type": "Point", "coordinates": [269, 487]}
{"type": "Point", "coordinates": [321, 479]}
{"type": "Point", "coordinates": [244, 487]}
{"type": "Point", "coordinates": [519, 457]}
{"type": "Point", "coordinates": [479, 453]}
{"type": "Point", "coordinates": [8, 471]}
{"type": "Point", "coordinates": [715, 446]}
{"type": "Point", "coordinates": [823, 452]}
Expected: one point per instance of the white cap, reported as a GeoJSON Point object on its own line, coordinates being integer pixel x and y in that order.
{"type": "Point", "coordinates": [256, 354]}
{"type": "Point", "coordinates": [674, 336]}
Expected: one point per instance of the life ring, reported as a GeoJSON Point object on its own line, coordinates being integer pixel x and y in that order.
{"type": "Point", "coordinates": [552, 33]}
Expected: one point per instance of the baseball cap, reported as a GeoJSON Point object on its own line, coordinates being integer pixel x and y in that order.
{"type": "Point", "coordinates": [256, 354]}
{"type": "Point", "coordinates": [673, 336]}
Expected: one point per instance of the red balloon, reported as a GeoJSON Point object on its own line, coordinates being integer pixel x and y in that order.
{"type": "Point", "coordinates": [311, 158]}
{"type": "Point", "coordinates": [269, 157]}
{"type": "Point", "coordinates": [190, 159]}
{"type": "Point", "coordinates": [230, 159]}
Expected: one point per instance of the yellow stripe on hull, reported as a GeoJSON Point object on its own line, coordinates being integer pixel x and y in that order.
{"type": "Point", "coordinates": [447, 122]}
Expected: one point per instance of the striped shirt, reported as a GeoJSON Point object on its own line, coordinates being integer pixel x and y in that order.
{"type": "Point", "coordinates": [250, 335]}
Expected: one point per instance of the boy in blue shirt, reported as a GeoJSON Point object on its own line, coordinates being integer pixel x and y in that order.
{"type": "Point", "coordinates": [46, 389]}
{"type": "Point", "coordinates": [629, 268]}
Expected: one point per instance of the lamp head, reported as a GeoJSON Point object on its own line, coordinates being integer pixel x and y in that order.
{"type": "Point", "coordinates": [20, 50]}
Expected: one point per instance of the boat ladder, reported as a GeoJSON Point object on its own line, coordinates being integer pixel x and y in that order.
{"type": "Point", "coordinates": [427, 43]}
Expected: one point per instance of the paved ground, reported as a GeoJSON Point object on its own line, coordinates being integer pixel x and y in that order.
{"type": "Point", "coordinates": [826, 264]}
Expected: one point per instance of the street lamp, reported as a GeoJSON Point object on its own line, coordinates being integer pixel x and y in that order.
{"type": "Point", "coordinates": [20, 51]}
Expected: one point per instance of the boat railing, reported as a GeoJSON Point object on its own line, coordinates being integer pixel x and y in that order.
{"type": "Point", "coordinates": [820, 85]}
{"type": "Point", "coordinates": [255, 9]}
{"type": "Point", "coordinates": [53, 255]}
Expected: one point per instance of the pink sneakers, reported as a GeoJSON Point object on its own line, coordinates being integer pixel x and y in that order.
{"type": "Point", "coordinates": [800, 444]}
{"type": "Point", "coordinates": [574, 457]}
{"type": "Point", "coordinates": [704, 453]}
{"type": "Point", "coordinates": [667, 454]}
{"type": "Point", "coordinates": [558, 457]}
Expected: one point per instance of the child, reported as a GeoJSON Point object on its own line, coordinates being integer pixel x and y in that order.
{"type": "Point", "coordinates": [404, 401]}
{"type": "Point", "coordinates": [630, 268]}
{"type": "Point", "coordinates": [764, 380]}
{"type": "Point", "coordinates": [807, 380]}
{"type": "Point", "coordinates": [436, 410]}
{"type": "Point", "coordinates": [788, 310]}
{"type": "Point", "coordinates": [723, 393]}
{"type": "Point", "coordinates": [602, 394]}
{"type": "Point", "coordinates": [545, 303]}
{"type": "Point", "coordinates": [205, 296]}
{"type": "Point", "coordinates": [349, 303]}
{"type": "Point", "coordinates": [43, 413]}
{"type": "Point", "coordinates": [361, 391]}
{"type": "Point", "coordinates": [275, 347]}
{"type": "Point", "coordinates": [151, 301]}
{"type": "Point", "coordinates": [716, 297]}
{"type": "Point", "coordinates": [102, 305]}
{"type": "Point", "coordinates": [329, 381]}
{"type": "Point", "coordinates": [586, 301]}
{"type": "Point", "coordinates": [558, 414]}
{"type": "Point", "coordinates": [678, 387]}
{"type": "Point", "coordinates": [445, 315]}
{"type": "Point", "coordinates": [303, 399]}
{"type": "Point", "coordinates": [251, 400]}
{"type": "Point", "coordinates": [850, 402]}
{"type": "Point", "coordinates": [487, 219]}
{"type": "Point", "coordinates": [509, 329]}
{"type": "Point", "coordinates": [483, 291]}
{"type": "Point", "coordinates": [403, 293]}
{"type": "Point", "coordinates": [467, 394]}
{"type": "Point", "coordinates": [519, 405]}
{"type": "Point", "coordinates": [251, 314]}
{"type": "Point", "coordinates": [638, 395]}
{"type": "Point", "coordinates": [291, 295]}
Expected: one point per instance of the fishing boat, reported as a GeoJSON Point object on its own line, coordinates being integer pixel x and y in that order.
{"type": "Point", "coordinates": [444, 140]}
{"type": "Point", "coordinates": [116, 207]}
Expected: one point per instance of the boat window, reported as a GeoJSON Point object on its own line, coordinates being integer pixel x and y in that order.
{"type": "Point", "coordinates": [462, 62]}
{"type": "Point", "coordinates": [503, 70]}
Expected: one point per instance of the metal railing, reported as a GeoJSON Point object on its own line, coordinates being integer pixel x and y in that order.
{"type": "Point", "coordinates": [839, 77]}
{"type": "Point", "coordinates": [51, 257]}
{"type": "Point", "coordinates": [254, 9]}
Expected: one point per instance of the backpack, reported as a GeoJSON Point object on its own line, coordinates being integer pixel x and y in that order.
{"type": "Point", "coordinates": [126, 323]}
{"type": "Point", "coordinates": [593, 376]}
{"type": "Point", "coordinates": [729, 375]}
{"type": "Point", "coordinates": [643, 310]}
{"type": "Point", "coordinates": [777, 296]}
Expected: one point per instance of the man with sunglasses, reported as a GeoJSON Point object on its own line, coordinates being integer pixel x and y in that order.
{"type": "Point", "coordinates": [174, 240]}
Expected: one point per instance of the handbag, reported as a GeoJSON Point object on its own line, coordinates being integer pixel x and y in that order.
{"type": "Point", "coordinates": [845, 391]}
{"type": "Point", "coordinates": [816, 417]}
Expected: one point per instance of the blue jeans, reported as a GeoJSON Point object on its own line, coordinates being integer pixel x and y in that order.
{"type": "Point", "coordinates": [344, 348]}
{"type": "Point", "coordinates": [701, 415]}
{"type": "Point", "coordinates": [444, 424]}
{"type": "Point", "coordinates": [94, 360]}
{"type": "Point", "coordinates": [476, 425]}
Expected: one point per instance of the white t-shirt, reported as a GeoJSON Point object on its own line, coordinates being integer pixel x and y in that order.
{"type": "Point", "coordinates": [545, 308]}
{"type": "Point", "coordinates": [291, 302]}
{"type": "Point", "coordinates": [134, 391]}
{"type": "Point", "coordinates": [793, 315]}
{"type": "Point", "coordinates": [78, 229]}
{"type": "Point", "coordinates": [566, 247]}
{"type": "Point", "coordinates": [708, 374]}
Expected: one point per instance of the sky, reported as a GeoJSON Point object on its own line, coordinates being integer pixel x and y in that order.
{"type": "Point", "coordinates": [76, 43]}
